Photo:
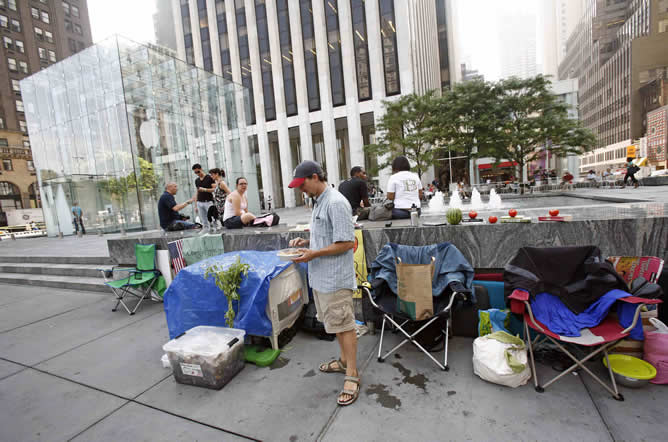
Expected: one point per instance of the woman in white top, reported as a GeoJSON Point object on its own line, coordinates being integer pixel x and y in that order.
{"type": "Point", "coordinates": [404, 188]}
{"type": "Point", "coordinates": [236, 207]}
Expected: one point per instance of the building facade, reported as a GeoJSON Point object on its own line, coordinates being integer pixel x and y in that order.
{"type": "Point", "coordinates": [517, 42]}
{"type": "Point", "coordinates": [317, 72]}
{"type": "Point", "coordinates": [35, 34]}
{"type": "Point", "coordinates": [657, 136]}
{"type": "Point", "coordinates": [616, 48]}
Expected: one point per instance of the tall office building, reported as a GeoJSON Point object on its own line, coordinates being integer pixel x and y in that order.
{"type": "Point", "coordinates": [35, 34]}
{"type": "Point", "coordinates": [517, 42]}
{"type": "Point", "coordinates": [163, 24]}
{"type": "Point", "coordinates": [616, 48]}
{"type": "Point", "coordinates": [317, 72]}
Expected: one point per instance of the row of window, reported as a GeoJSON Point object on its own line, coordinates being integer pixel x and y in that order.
{"type": "Point", "coordinates": [40, 15]}
{"type": "Point", "coordinates": [70, 10]}
{"type": "Point", "coordinates": [8, 166]}
{"type": "Point", "coordinates": [11, 24]}
{"type": "Point", "coordinates": [21, 66]}
{"type": "Point", "coordinates": [11, 4]}
{"type": "Point", "coordinates": [73, 27]}
{"type": "Point", "coordinates": [388, 40]}
{"type": "Point", "coordinates": [13, 45]}
{"type": "Point", "coordinates": [45, 54]}
{"type": "Point", "coordinates": [43, 34]}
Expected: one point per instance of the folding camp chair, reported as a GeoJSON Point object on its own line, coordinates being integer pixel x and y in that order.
{"type": "Point", "coordinates": [140, 281]}
{"type": "Point", "coordinates": [604, 336]}
{"type": "Point", "coordinates": [386, 302]}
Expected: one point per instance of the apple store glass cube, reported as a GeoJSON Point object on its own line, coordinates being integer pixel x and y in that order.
{"type": "Point", "coordinates": [111, 125]}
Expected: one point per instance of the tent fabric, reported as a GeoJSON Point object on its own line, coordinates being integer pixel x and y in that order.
{"type": "Point", "coordinates": [577, 275]}
{"type": "Point", "coordinates": [450, 264]}
{"type": "Point", "coordinates": [192, 300]}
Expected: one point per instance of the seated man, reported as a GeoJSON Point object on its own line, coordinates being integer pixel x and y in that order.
{"type": "Point", "coordinates": [592, 178]}
{"type": "Point", "coordinates": [355, 190]}
{"type": "Point", "coordinates": [168, 210]}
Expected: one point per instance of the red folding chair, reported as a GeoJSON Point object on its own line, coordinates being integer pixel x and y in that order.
{"type": "Point", "coordinates": [604, 336]}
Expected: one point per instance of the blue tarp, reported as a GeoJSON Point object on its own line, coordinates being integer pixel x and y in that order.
{"type": "Point", "coordinates": [192, 300]}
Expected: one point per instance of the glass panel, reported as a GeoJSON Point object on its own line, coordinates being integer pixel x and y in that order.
{"type": "Point", "coordinates": [310, 55]}
{"type": "Point", "coordinates": [286, 57]}
{"type": "Point", "coordinates": [361, 50]}
{"type": "Point", "coordinates": [334, 50]}
{"type": "Point", "coordinates": [204, 35]}
{"type": "Point", "coordinates": [388, 35]}
{"type": "Point", "coordinates": [225, 59]}
{"type": "Point", "coordinates": [244, 56]}
{"type": "Point", "coordinates": [265, 60]}
{"type": "Point", "coordinates": [441, 21]}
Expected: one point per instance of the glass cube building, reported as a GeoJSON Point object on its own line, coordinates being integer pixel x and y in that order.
{"type": "Point", "coordinates": [112, 125]}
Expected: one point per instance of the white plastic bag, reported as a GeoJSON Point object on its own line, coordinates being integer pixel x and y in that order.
{"type": "Point", "coordinates": [502, 359]}
{"type": "Point", "coordinates": [659, 325]}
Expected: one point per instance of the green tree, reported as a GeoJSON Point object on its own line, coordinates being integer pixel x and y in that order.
{"type": "Point", "coordinates": [530, 115]}
{"type": "Point", "coordinates": [407, 129]}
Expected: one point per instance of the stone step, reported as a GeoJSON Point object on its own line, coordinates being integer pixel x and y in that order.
{"type": "Point", "coordinates": [61, 282]}
{"type": "Point", "coordinates": [86, 270]}
{"type": "Point", "coordinates": [99, 260]}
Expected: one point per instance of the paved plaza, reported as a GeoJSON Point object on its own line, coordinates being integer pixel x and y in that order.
{"type": "Point", "coordinates": [70, 369]}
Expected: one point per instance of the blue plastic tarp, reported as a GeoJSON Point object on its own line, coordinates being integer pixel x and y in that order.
{"type": "Point", "coordinates": [192, 300]}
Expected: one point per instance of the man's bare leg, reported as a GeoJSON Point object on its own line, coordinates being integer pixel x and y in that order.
{"type": "Point", "coordinates": [348, 343]}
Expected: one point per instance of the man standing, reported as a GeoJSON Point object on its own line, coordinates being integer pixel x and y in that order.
{"type": "Point", "coordinates": [205, 186]}
{"type": "Point", "coordinates": [355, 190]}
{"type": "Point", "coordinates": [168, 210]}
{"type": "Point", "coordinates": [78, 218]}
{"type": "Point", "coordinates": [331, 270]}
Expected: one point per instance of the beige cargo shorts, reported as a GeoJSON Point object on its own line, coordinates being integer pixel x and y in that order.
{"type": "Point", "coordinates": [335, 310]}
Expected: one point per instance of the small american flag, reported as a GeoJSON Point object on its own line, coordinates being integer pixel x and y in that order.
{"type": "Point", "coordinates": [176, 254]}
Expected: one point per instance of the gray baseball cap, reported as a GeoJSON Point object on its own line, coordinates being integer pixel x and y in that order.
{"type": "Point", "coordinates": [305, 170]}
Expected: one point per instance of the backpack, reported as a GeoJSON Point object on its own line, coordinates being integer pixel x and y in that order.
{"type": "Point", "coordinates": [380, 213]}
{"type": "Point", "coordinates": [266, 220]}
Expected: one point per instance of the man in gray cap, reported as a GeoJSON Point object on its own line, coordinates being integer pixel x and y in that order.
{"type": "Point", "coordinates": [331, 270]}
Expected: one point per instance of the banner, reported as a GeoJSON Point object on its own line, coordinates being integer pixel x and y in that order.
{"type": "Point", "coordinates": [359, 258]}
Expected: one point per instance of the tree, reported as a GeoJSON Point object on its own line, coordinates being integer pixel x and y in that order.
{"type": "Point", "coordinates": [407, 129]}
{"type": "Point", "coordinates": [530, 116]}
{"type": "Point", "coordinates": [467, 117]}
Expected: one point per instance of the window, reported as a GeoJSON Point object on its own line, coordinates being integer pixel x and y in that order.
{"type": "Point", "coordinates": [75, 11]}
{"type": "Point", "coordinates": [310, 55]}
{"type": "Point", "coordinates": [66, 8]}
{"type": "Point", "coordinates": [244, 54]}
{"type": "Point", "coordinates": [12, 5]}
{"type": "Point", "coordinates": [26, 143]}
{"type": "Point", "coordinates": [80, 45]}
{"type": "Point", "coordinates": [23, 67]}
{"type": "Point", "coordinates": [286, 57]}
{"type": "Point", "coordinates": [388, 35]}
{"type": "Point", "coordinates": [19, 106]}
{"type": "Point", "coordinates": [16, 25]}
{"type": "Point", "coordinates": [49, 36]}
{"type": "Point", "coordinates": [334, 50]}
{"type": "Point", "coordinates": [4, 142]}
{"type": "Point", "coordinates": [7, 164]}
{"type": "Point", "coordinates": [45, 17]}
{"type": "Point", "coordinates": [11, 63]}
{"type": "Point", "coordinates": [225, 58]}
{"type": "Point", "coordinates": [4, 22]}
{"type": "Point", "coordinates": [52, 56]}
{"type": "Point", "coordinates": [15, 85]}
{"type": "Point", "coordinates": [8, 43]}
{"type": "Point", "coordinates": [68, 25]}
{"type": "Point", "coordinates": [39, 33]}
{"type": "Point", "coordinates": [361, 50]}
{"type": "Point", "coordinates": [663, 26]}
{"type": "Point", "coordinates": [205, 36]}
{"type": "Point", "coordinates": [23, 126]}
{"type": "Point", "coordinates": [19, 46]}
{"type": "Point", "coordinates": [72, 45]}
{"type": "Point", "coordinates": [30, 164]}
{"type": "Point", "coordinates": [2, 123]}
{"type": "Point", "coordinates": [35, 13]}
{"type": "Point", "coordinates": [77, 29]}
{"type": "Point", "coordinates": [42, 53]}
{"type": "Point", "coordinates": [265, 59]}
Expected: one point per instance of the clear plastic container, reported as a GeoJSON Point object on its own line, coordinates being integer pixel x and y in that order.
{"type": "Point", "coordinates": [206, 356]}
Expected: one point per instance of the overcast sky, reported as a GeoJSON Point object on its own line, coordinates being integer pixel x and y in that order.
{"type": "Point", "coordinates": [129, 18]}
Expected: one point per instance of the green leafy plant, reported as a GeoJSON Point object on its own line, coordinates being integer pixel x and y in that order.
{"type": "Point", "coordinates": [228, 281]}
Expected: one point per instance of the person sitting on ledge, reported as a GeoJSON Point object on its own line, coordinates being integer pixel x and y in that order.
{"type": "Point", "coordinates": [592, 178]}
{"type": "Point", "coordinates": [567, 180]}
{"type": "Point", "coordinates": [404, 188]}
{"type": "Point", "coordinates": [236, 213]}
{"type": "Point", "coordinates": [168, 210]}
{"type": "Point", "coordinates": [356, 192]}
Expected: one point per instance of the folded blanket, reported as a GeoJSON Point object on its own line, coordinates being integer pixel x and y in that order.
{"type": "Point", "coordinates": [552, 312]}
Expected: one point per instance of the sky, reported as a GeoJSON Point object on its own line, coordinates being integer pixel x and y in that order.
{"type": "Point", "coordinates": [129, 18]}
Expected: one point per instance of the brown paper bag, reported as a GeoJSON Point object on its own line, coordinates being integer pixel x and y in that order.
{"type": "Point", "coordinates": [414, 287]}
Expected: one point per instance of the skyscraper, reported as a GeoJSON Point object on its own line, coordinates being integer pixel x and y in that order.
{"type": "Point", "coordinates": [517, 41]}
{"type": "Point", "coordinates": [317, 72]}
{"type": "Point", "coordinates": [35, 34]}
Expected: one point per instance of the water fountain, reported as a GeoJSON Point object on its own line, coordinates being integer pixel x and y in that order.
{"type": "Point", "coordinates": [437, 203]}
{"type": "Point", "coordinates": [494, 200]}
{"type": "Point", "coordinates": [476, 200]}
{"type": "Point", "coordinates": [455, 200]}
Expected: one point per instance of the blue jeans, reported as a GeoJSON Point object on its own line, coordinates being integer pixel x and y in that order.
{"type": "Point", "coordinates": [400, 214]}
{"type": "Point", "coordinates": [185, 224]}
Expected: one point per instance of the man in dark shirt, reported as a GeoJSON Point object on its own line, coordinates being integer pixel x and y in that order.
{"type": "Point", "coordinates": [355, 190]}
{"type": "Point", "coordinates": [168, 210]}
{"type": "Point", "coordinates": [205, 186]}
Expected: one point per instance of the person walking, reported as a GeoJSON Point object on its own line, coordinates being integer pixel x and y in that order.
{"type": "Point", "coordinates": [331, 270]}
{"type": "Point", "coordinates": [356, 191]}
{"type": "Point", "coordinates": [78, 218]}
{"type": "Point", "coordinates": [205, 187]}
{"type": "Point", "coordinates": [631, 169]}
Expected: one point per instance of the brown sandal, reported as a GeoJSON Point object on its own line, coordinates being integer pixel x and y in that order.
{"type": "Point", "coordinates": [333, 366]}
{"type": "Point", "coordinates": [354, 393]}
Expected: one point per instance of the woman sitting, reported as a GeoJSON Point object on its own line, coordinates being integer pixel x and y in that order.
{"type": "Point", "coordinates": [236, 213]}
{"type": "Point", "coordinates": [220, 193]}
{"type": "Point", "coordinates": [404, 188]}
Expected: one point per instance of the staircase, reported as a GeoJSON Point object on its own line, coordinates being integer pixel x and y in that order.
{"type": "Point", "coordinates": [74, 273]}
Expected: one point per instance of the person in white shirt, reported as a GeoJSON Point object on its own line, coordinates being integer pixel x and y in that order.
{"type": "Point", "coordinates": [592, 178]}
{"type": "Point", "coordinates": [404, 188]}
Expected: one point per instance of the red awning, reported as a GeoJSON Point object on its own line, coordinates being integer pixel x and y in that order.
{"type": "Point", "coordinates": [504, 164]}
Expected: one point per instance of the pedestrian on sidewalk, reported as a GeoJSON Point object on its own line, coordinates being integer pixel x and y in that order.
{"type": "Point", "coordinates": [205, 186]}
{"type": "Point", "coordinates": [631, 169]}
{"type": "Point", "coordinates": [331, 270]}
{"type": "Point", "coordinates": [78, 218]}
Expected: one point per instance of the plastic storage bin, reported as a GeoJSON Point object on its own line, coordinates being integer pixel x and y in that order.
{"type": "Point", "coordinates": [206, 356]}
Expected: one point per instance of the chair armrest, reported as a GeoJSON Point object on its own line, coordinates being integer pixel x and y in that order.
{"type": "Point", "coordinates": [366, 287]}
